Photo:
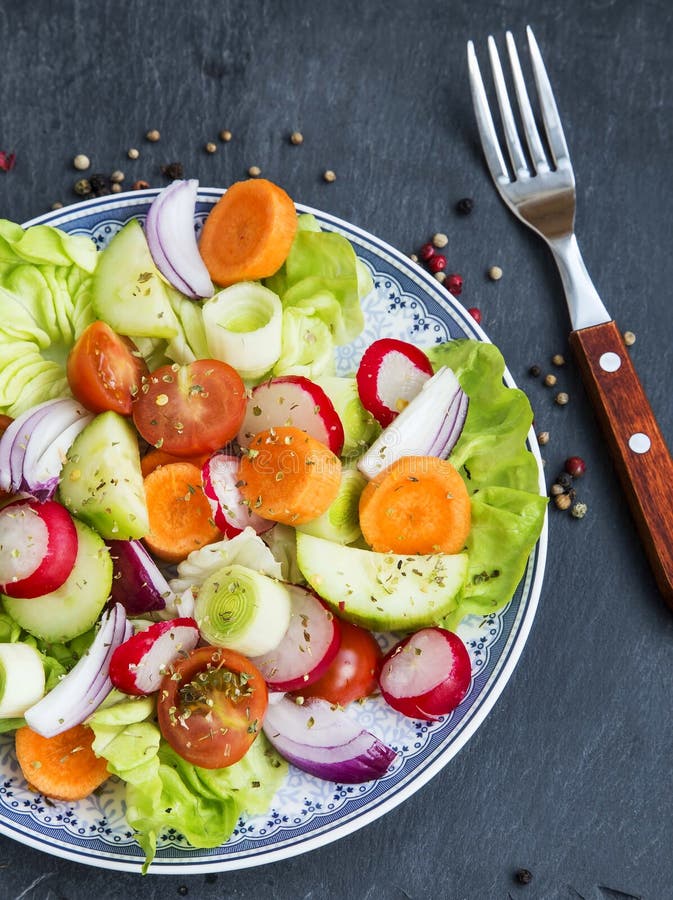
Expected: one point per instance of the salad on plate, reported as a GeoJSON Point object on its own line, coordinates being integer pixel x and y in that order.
{"type": "Point", "coordinates": [213, 547]}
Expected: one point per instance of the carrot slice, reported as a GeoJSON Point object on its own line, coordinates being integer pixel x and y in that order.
{"type": "Point", "coordinates": [63, 767]}
{"type": "Point", "coordinates": [179, 513]}
{"type": "Point", "coordinates": [417, 505]}
{"type": "Point", "coordinates": [248, 233]}
{"type": "Point", "coordinates": [155, 458]}
{"type": "Point", "coordinates": [288, 476]}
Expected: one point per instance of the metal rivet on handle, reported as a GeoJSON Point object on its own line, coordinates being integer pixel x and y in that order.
{"type": "Point", "coordinates": [639, 442]}
{"type": "Point", "coordinates": [610, 362]}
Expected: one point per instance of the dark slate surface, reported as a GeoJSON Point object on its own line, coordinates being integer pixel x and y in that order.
{"type": "Point", "coordinates": [571, 774]}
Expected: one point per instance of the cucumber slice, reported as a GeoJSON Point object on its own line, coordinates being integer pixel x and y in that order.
{"type": "Point", "coordinates": [382, 591]}
{"type": "Point", "coordinates": [74, 607]}
{"type": "Point", "coordinates": [128, 291]}
{"type": "Point", "coordinates": [101, 481]}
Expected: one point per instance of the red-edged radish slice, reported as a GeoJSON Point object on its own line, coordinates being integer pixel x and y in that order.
{"type": "Point", "coordinates": [139, 664]}
{"type": "Point", "coordinates": [310, 644]}
{"type": "Point", "coordinates": [38, 547]}
{"type": "Point", "coordinates": [137, 582]}
{"type": "Point", "coordinates": [231, 514]}
{"type": "Point", "coordinates": [427, 674]}
{"type": "Point", "coordinates": [390, 374]}
{"type": "Point", "coordinates": [84, 688]}
{"type": "Point", "coordinates": [321, 738]}
{"type": "Point", "coordinates": [296, 401]}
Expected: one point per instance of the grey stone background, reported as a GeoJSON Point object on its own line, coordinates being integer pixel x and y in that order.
{"type": "Point", "coordinates": [571, 774]}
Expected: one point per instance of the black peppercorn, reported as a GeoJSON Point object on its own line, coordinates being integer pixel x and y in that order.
{"type": "Point", "coordinates": [465, 206]}
{"type": "Point", "coordinates": [183, 890]}
{"type": "Point", "coordinates": [98, 182]}
{"type": "Point", "coordinates": [565, 480]}
{"type": "Point", "coordinates": [534, 371]}
{"type": "Point", "coordinates": [172, 170]}
{"type": "Point", "coordinates": [524, 876]}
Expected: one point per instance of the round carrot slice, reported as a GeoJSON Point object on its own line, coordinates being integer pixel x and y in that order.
{"type": "Point", "coordinates": [417, 505]}
{"type": "Point", "coordinates": [248, 233]}
{"type": "Point", "coordinates": [63, 767]}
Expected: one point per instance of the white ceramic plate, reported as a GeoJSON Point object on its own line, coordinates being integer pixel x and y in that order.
{"type": "Point", "coordinates": [409, 304]}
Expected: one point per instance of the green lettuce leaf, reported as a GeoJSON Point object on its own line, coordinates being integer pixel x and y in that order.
{"type": "Point", "coordinates": [500, 473]}
{"type": "Point", "coordinates": [165, 791]}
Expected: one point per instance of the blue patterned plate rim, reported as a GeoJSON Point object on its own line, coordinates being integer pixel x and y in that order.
{"type": "Point", "coordinates": [390, 267]}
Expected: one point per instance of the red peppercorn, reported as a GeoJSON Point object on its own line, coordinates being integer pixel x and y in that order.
{"type": "Point", "coordinates": [426, 252]}
{"type": "Point", "coordinates": [454, 284]}
{"type": "Point", "coordinates": [437, 263]}
{"type": "Point", "coordinates": [475, 312]}
{"type": "Point", "coordinates": [575, 466]}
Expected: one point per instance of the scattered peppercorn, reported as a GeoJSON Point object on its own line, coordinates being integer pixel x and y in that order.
{"type": "Point", "coordinates": [561, 398]}
{"type": "Point", "coordinates": [579, 510]}
{"type": "Point", "coordinates": [413, 257]}
{"type": "Point", "coordinates": [543, 438]}
{"type": "Point", "coordinates": [524, 876]}
{"type": "Point", "coordinates": [225, 136]}
{"type": "Point", "coordinates": [116, 188]}
{"type": "Point", "coordinates": [99, 182]}
{"type": "Point", "coordinates": [296, 138]}
{"type": "Point", "coordinates": [57, 205]}
{"type": "Point", "coordinates": [426, 252]}
{"type": "Point", "coordinates": [183, 890]}
{"type": "Point", "coordinates": [558, 360]}
{"type": "Point", "coordinates": [210, 147]}
{"type": "Point", "coordinates": [549, 380]}
{"type": "Point", "coordinates": [82, 187]}
{"type": "Point", "coordinates": [153, 135]}
{"type": "Point", "coordinates": [329, 176]}
{"type": "Point", "coordinates": [454, 284]}
{"type": "Point", "coordinates": [475, 312]}
{"type": "Point", "coordinates": [173, 170]}
{"type": "Point", "coordinates": [440, 276]}
{"type": "Point", "coordinates": [437, 263]}
{"type": "Point", "coordinates": [7, 161]}
{"type": "Point", "coordinates": [465, 206]}
{"type": "Point", "coordinates": [629, 338]}
{"type": "Point", "coordinates": [575, 466]}
{"type": "Point", "coordinates": [81, 162]}
{"type": "Point", "coordinates": [495, 273]}
{"type": "Point", "coordinates": [117, 176]}
{"type": "Point", "coordinates": [565, 480]}
{"type": "Point", "coordinates": [140, 185]}
{"type": "Point", "coordinates": [440, 240]}
{"type": "Point", "coordinates": [133, 153]}
{"type": "Point", "coordinates": [535, 371]}
{"type": "Point", "coordinates": [556, 489]}
{"type": "Point", "coordinates": [254, 171]}
{"type": "Point", "coordinates": [562, 501]}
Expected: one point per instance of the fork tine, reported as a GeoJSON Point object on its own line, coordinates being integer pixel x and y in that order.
{"type": "Point", "coordinates": [489, 138]}
{"type": "Point", "coordinates": [509, 125]}
{"type": "Point", "coordinates": [529, 126]}
{"type": "Point", "coordinates": [550, 116]}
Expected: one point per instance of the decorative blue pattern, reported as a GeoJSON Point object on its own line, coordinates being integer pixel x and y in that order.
{"type": "Point", "coordinates": [406, 303]}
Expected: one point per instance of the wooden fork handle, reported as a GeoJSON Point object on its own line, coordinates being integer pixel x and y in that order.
{"type": "Point", "coordinates": [639, 451]}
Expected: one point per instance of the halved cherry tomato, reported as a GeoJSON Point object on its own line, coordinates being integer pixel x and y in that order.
{"type": "Point", "coordinates": [353, 673]}
{"type": "Point", "coordinates": [211, 705]}
{"type": "Point", "coordinates": [105, 370]}
{"type": "Point", "coordinates": [192, 409]}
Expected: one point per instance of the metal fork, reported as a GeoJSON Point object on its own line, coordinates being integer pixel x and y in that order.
{"type": "Point", "coordinates": [542, 194]}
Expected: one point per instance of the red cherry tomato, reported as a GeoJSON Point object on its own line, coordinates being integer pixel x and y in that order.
{"type": "Point", "coordinates": [211, 705]}
{"type": "Point", "coordinates": [192, 409]}
{"type": "Point", "coordinates": [353, 673]}
{"type": "Point", "coordinates": [105, 370]}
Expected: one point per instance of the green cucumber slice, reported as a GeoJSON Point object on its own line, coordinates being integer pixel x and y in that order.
{"type": "Point", "coordinates": [74, 607]}
{"type": "Point", "coordinates": [128, 291]}
{"type": "Point", "coordinates": [101, 481]}
{"type": "Point", "coordinates": [382, 591]}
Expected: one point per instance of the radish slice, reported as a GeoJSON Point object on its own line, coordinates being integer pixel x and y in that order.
{"type": "Point", "coordinates": [85, 687]}
{"type": "Point", "coordinates": [169, 229]}
{"type": "Point", "coordinates": [323, 740]}
{"type": "Point", "coordinates": [137, 582]}
{"type": "Point", "coordinates": [390, 375]}
{"type": "Point", "coordinates": [310, 644]}
{"type": "Point", "coordinates": [21, 679]}
{"type": "Point", "coordinates": [426, 675]}
{"type": "Point", "coordinates": [429, 426]}
{"type": "Point", "coordinates": [138, 665]}
{"type": "Point", "coordinates": [296, 401]}
{"type": "Point", "coordinates": [38, 547]}
{"type": "Point", "coordinates": [231, 514]}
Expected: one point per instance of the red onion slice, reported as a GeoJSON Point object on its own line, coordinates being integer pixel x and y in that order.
{"type": "Point", "coordinates": [137, 583]}
{"type": "Point", "coordinates": [324, 741]}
